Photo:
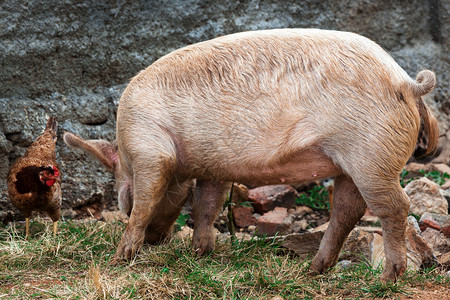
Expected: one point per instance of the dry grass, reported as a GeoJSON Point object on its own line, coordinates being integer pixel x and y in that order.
{"type": "Point", "coordinates": [75, 264]}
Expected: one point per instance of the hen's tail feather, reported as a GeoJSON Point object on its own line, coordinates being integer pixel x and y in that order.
{"type": "Point", "coordinates": [52, 126]}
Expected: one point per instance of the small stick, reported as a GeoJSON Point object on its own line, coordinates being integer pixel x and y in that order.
{"type": "Point", "coordinates": [229, 204]}
{"type": "Point", "coordinates": [27, 227]}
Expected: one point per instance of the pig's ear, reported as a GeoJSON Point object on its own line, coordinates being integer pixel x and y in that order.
{"type": "Point", "coordinates": [104, 151]}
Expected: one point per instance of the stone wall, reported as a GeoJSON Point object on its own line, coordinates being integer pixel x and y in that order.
{"type": "Point", "coordinates": [72, 59]}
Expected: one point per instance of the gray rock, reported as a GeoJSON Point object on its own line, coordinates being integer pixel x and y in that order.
{"type": "Point", "coordinates": [426, 196]}
{"type": "Point", "coordinates": [303, 244]}
{"type": "Point", "coordinates": [437, 241]}
{"type": "Point", "coordinates": [413, 223]}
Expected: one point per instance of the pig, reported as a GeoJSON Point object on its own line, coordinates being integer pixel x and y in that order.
{"type": "Point", "coordinates": [269, 107]}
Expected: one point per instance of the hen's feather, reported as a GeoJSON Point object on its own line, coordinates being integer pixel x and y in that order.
{"type": "Point", "coordinates": [26, 191]}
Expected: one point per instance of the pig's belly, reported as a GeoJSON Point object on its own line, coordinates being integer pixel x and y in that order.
{"type": "Point", "coordinates": [307, 165]}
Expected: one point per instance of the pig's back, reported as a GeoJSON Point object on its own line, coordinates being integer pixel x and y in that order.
{"type": "Point", "coordinates": [259, 94]}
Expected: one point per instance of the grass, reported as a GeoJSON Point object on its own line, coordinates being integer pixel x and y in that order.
{"type": "Point", "coordinates": [435, 176]}
{"type": "Point", "coordinates": [316, 198]}
{"type": "Point", "coordinates": [75, 264]}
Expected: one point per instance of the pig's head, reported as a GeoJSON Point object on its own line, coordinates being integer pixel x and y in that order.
{"type": "Point", "coordinates": [107, 154]}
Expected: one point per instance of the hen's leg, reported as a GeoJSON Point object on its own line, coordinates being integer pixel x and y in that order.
{"type": "Point", "coordinates": [55, 227]}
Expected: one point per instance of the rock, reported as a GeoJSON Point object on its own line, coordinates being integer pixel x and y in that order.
{"type": "Point", "coordinates": [243, 216]}
{"type": "Point", "coordinates": [299, 226]}
{"type": "Point", "coordinates": [429, 224]}
{"type": "Point", "coordinates": [358, 246]}
{"type": "Point", "coordinates": [444, 261]}
{"type": "Point", "coordinates": [377, 254]}
{"type": "Point", "coordinates": [446, 195]}
{"type": "Point", "coordinates": [440, 222]}
{"type": "Point", "coordinates": [344, 264]}
{"type": "Point", "coordinates": [114, 216]}
{"type": "Point", "coordinates": [251, 229]}
{"type": "Point", "coordinates": [413, 222]}
{"type": "Point", "coordinates": [243, 236]}
{"type": "Point", "coordinates": [437, 241]}
{"type": "Point", "coordinates": [425, 196]}
{"type": "Point", "coordinates": [370, 219]}
{"type": "Point", "coordinates": [303, 244]}
{"type": "Point", "coordinates": [366, 244]}
{"type": "Point", "coordinates": [446, 188]}
{"type": "Point", "coordinates": [68, 213]}
{"type": "Point", "coordinates": [273, 222]}
{"type": "Point", "coordinates": [322, 227]}
{"type": "Point", "coordinates": [266, 198]}
{"type": "Point", "coordinates": [419, 252]}
{"type": "Point", "coordinates": [414, 169]}
{"type": "Point", "coordinates": [446, 231]}
{"type": "Point", "coordinates": [184, 233]}
{"type": "Point", "coordinates": [240, 193]}
{"type": "Point", "coordinates": [300, 211]}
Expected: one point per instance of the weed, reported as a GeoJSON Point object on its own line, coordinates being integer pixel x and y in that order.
{"type": "Point", "coordinates": [403, 181]}
{"type": "Point", "coordinates": [181, 221]}
{"type": "Point", "coordinates": [316, 198]}
{"type": "Point", "coordinates": [436, 176]}
{"type": "Point", "coordinates": [382, 290]}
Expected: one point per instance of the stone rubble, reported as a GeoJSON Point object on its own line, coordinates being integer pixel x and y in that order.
{"type": "Point", "coordinates": [266, 198]}
{"type": "Point", "coordinates": [428, 242]}
{"type": "Point", "coordinates": [426, 196]}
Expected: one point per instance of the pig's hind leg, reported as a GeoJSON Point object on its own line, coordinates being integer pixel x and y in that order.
{"type": "Point", "coordinates": [208, 200]}
{"type": "Point", "coordinates": [392, 208]}
{"type": "Point", "coordinates": [348, 208]}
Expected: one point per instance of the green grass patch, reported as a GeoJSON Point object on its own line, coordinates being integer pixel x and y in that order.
{"type": "Point", "coordinates": [435, 176]}
{"type": "Point", "coordinates": [316, 198]}
{"type": "Point", "coordinates": [75, 264]}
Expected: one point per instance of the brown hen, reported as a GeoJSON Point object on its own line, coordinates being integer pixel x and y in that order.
{"type": "Point", "coordinates": [34, 179]}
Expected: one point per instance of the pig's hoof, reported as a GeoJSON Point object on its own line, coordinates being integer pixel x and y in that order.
{"type": "Point", "coordinates": [203, 245]}
{"type": "Point", "coordinates": [320, 265]}
{"type": "Point", "coordinates": [392, 272]}
{"type": "Point", "coordinates": [125, 253]}
{"type": "Point", "coordinates": [128, 247]}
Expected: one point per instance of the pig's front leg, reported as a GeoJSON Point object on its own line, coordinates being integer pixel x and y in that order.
{"type": "Point", "coordinates": [161, 224]}
{"type": "Point", "coordinates": [208, 200]}
{"type": "Point", "coordinates": [134, 234]}
{"type": "Point", "coordinates": [151, 208]}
